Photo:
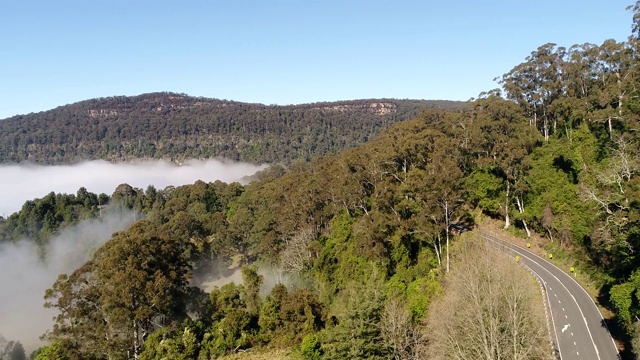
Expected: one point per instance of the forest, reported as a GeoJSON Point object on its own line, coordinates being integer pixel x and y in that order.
{"type": "Point", "coordinates": [177, 127]}
{"type": "Point", "coordinates": [370, 246]}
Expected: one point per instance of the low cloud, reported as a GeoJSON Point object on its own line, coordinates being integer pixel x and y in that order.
{"type": "Point", "coordinates": [19, 182]}
{"type": "Point", "coordinates": [25, 277]}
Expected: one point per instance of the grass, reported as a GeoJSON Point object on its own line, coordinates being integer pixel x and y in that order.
{"type": "Point", "coordinates": [589, 278]}
{"type": "Point", "coordinates": [542, 247]}
{"type": "Point", "coordinates": [262, 354]}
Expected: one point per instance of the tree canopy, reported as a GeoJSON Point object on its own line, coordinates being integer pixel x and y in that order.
{"type": "Point", "coordinates": [359, 241]}
{"type": "Point", "coordinates": [178, 127]}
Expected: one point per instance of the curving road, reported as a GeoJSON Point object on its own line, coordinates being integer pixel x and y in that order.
{"type": "Point", "coordinates": [576, 325]}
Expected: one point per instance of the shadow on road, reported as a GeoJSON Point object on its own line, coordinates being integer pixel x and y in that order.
{"type": "Point", "coordinates": [623, 342]}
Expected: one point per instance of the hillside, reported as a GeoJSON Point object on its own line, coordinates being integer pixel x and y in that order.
{"type": "Point", "coordinates": [368, 253]}
{"type": "Point", "coordinates": [370, 236]}
{"type": "Point", "coordinates": [360, 240]}
{"type": "Point", "coordinates": [177, 126]}
{"type": "Point", "coordinates": [348, 234]}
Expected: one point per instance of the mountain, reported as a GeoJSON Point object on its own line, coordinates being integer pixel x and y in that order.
{"type": "Point", "coordinates": [370, 245]}
{"type": "Point", "coordinates": [178, 126]}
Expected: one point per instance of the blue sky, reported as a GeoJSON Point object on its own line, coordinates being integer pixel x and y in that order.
{"type": "Point", "coordinates": [280, 51]}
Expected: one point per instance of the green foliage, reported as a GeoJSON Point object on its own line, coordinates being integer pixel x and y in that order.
{"type": "Point", "coordinates": [355, 333]}
{"type": "Point", "coordinates": [484, 190]}
{"type": "Point", "coordinates": [558, 155]}
{"type": "Point", "coordinates": [635, 340]}
{"type": "Point", "coordinates": [252, 282]}
{"type": "Point", "coordinates": [310, 347]}
{"type": "Point", "coordinates": [164, 344]}
{"type": "Point", "coordinates": [621, 297]}
{"type": "Point", "coordinates": [361, 214]}
{"type": "Point", "coordinates": [625, 299]}
{"type": "Point", "coordinates": [172, 126]}
{"type": "Point", "coordinates": [332, 260]}
{"type": "Point", "coordinates": [137, 279]}
{"type": "Point", "coordinates": [419, 295]}
{"type": "Point", "coordinates": [232, 327]}
{"type": "Point", "coordinates": [287, 317]}
{"type": "Point", "coordinates": [554, 205]}
{"type": "Point", "coordinates": [51, 352]}
{"type": "Point", "coordinates": [39, 219]}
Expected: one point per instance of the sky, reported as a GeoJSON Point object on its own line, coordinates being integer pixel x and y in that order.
{"type": "Point", "coordinates": [54, 53]}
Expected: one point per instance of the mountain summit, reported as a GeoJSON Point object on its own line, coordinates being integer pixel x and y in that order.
{"type": "Point", "coordinates": [177, 126]}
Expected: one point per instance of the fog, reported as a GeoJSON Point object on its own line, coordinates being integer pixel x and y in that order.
{"type": "Point", "coordinates": [214, 273]}
{"type": "Point", "coordinates": [19, 182]}
{"type": "Point", "coordinates": [24, 277]}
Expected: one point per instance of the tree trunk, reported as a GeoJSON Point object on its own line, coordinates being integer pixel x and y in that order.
{"type": "Point", "coordinates": [620, 98]}
{"type": "Point", "coordinates": [526, 228]}
{"type": "Point", "coordinates": [507, 222]}
{"type": "Point", "coordinates": [436, 246]}
{"type": "Point", "coordinates": [136, 343]}
{"type": "Point", "coordinates": [520, 204]}
{"type": "Point", "coordinates": [546, 129]}
{"type": "Point", "coordinates": [447, 251]}
{"type": "Point", "coordinates": [446, 217]}
{"type": "Point", "coordinates": [545, 124]}
{"type": "Point", "coordinates": [440, 245]}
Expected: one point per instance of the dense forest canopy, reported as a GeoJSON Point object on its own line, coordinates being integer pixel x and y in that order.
{"type": "Point", "coordinates": [177, 127]}
{"type": "Point", "coordinates": [371, 244]}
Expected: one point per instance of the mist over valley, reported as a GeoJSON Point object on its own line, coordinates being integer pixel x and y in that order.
{"type": "Point", "coordinates": [26, 275]}
{"type": "Point", "coordinates": [22, 182]}
{"type": "Point", "coordinates": [29, 269]}
{"type": "Point", "coordinates": [380, 228]}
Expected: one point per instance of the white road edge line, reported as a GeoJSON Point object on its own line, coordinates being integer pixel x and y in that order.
{"type": "Point", "coordinates": [584, 319]}
{"type": "Point", "coordinates": [572, 279]}
{"type": "Point", "coordinates": [569, 292]}
{"type": "Point", "coordinates": [548, 305]}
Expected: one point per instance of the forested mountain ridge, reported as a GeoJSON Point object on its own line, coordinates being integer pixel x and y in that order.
{"type": "Point", "coordinates": [370, 237]}
{"type": "Point", "coordinates": [360, 235]}
{"type": "Point", "coordinates": [177, 126]}
{"type": "Point", "coordinates": [368, 233]}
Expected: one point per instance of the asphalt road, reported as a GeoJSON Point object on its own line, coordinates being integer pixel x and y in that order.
{"type": "Point", "coordinates": [577, 328]}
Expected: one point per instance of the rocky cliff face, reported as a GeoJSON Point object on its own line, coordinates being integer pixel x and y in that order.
{"type": "Point", "coordinates": [378, 108]}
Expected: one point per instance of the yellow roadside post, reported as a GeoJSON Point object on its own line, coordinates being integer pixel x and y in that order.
{"type": "Point", "coordinates": [528, 245]}
{"type": "Point", "coordinates": [517, 257]}
{"type": "Point", "coordinates": [550, 256]}
{"type": "Point", "coordinates": [573, 271]}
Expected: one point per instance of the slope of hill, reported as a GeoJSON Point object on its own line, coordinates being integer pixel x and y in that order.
{"type": "Point", "coordinates": [177, 126]}
{"type": "Point", "coordinates": [368, 235]}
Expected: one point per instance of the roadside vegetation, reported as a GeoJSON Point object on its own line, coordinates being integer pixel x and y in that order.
{"type": "Point", "coordinates": [364, 245]}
